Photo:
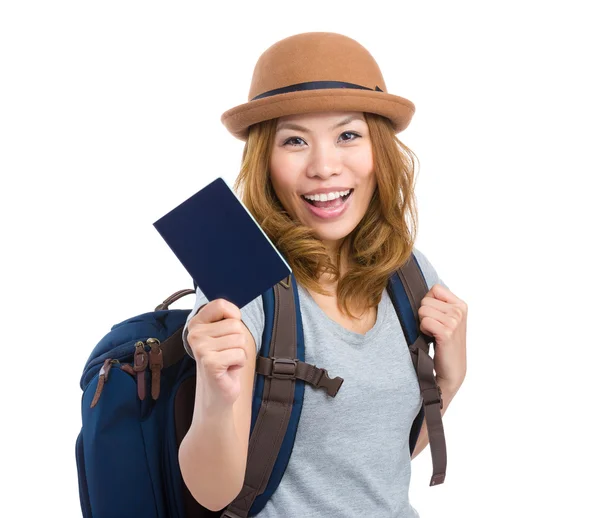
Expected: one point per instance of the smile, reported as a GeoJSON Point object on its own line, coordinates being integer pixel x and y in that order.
{"type": "Point", "coordinates": [330, 208]}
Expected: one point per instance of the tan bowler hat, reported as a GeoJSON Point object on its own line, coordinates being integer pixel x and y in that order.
{"type": "Point", "coordinates": [316, 71]}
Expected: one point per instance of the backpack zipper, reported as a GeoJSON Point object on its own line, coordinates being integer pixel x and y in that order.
{"type": "Point", "coordinates": [156, 365]}
{"type": "Point", "coordinates": [103, 376]}
{"type": "Point", "coordinates": [140, 363]}
{"type": "Point", "coordinates": [142, 359]}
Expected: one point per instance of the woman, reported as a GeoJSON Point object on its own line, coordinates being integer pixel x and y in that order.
{"type": "Point", "coordinates": [331, 185]}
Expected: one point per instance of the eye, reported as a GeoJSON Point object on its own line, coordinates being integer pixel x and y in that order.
{"type": "Point", "coordinates": [350, 133]}
{"type": "Point", "coordinates": [290, 139]}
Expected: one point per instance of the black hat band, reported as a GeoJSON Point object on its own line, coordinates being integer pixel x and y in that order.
{"type": "Point", "coordinates": [314, 85]}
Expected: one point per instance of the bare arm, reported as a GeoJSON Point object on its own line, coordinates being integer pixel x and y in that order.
{"type": "Point", "coordinates": [214, 452]}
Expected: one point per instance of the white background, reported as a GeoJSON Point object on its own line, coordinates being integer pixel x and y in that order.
{"type": "Point", "coordinates": [110, 117]}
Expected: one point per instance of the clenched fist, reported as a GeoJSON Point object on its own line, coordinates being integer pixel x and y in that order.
{"type": "Point", "coordinates": [217, 338]}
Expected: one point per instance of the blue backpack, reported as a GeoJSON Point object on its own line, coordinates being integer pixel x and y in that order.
{"type": "Point", "coordinates": [138, 396]}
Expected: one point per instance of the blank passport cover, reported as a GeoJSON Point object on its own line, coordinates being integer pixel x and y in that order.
{"type": "Point", "coordinates": [221, 246]}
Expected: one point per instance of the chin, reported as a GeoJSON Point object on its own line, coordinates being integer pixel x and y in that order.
{"type": "Point", "coordinates": [336, 235]}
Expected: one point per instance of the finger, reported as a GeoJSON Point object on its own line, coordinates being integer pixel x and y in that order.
{"type": "Point", "coordinates": [228, 326]}
{"type": "Point", "coordinates": [225, 343]}
{"type": "Point", "coordinates": [448, 320]}
{"type": "Point", "coordinates": [435, 303]}
{"type": "Point", "coordinates": [227, 357]}
{"type": "Point", "coordinates": [440, 292]}
{"type": "Point", "coordinates": [216, 310]}
{"type": "Point", "coordinates": [432, 327]}
{"type": "Point", "coordinates": [455, 310]}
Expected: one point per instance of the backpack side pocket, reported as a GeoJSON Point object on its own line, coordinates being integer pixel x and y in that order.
{"type": "Point", "coordinates": [117, 470]}
{"type": "Point", "coordinates": [84, 497]}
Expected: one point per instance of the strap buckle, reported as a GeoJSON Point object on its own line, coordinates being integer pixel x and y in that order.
{"type": "Point", "coordinates": [330, 385]}
{"type": "Point", "coordinates": [283, 368]}
{"type": "Point", "coordinates": [430, 398]}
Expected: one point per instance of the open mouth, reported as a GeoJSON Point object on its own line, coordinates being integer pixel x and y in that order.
{"type": "Point", "coordinates": [329, 204]}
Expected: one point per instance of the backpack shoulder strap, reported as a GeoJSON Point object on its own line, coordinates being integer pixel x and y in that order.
{"type": "Point", "coordinates": [277, 401]}
{"type": "Point", "coordinates": [407, 287]}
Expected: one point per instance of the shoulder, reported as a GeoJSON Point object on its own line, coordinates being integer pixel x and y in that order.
{"type": "Point", "coordinates": [429, 272]}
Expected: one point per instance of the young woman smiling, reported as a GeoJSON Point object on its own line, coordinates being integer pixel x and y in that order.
{"type": "Point", "coordinates": [333, 187]}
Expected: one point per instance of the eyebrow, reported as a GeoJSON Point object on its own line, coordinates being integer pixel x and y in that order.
{"type": "Point", "coordinates": [292, 126]}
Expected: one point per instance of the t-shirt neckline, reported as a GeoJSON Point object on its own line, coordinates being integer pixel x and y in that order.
{"type": "Point", "coordinates": [340, 330]}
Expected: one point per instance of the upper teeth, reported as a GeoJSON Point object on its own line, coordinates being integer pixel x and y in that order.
{"type": "Point", "coordinates": [325, 197]}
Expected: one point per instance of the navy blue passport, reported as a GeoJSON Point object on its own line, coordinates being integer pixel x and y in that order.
{"type": "Point", "coordinates": [222, 246]}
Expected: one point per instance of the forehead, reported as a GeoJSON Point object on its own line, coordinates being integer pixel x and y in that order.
{"type": "Point", "coordinates": [325, 119]}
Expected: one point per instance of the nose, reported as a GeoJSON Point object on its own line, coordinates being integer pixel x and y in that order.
{"type": "Point", "coordinates": [325, 161]}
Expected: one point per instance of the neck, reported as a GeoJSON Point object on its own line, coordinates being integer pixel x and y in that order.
{"type": "Point", "coordinates": [326, 280]}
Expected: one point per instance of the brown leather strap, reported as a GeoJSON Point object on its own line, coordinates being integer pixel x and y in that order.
{"type": "Point", "coordinates": [140, 362]}
{"type": "Point", "coordinates": [319, 378]}
{"type": "Point", "coordinates": [274, 414]}
{"type": "Point", "coordinates": [172, 348]}
{"type": "Point", "coordinates": [172, 298]}
{"type": "Point", "coordinates": [416, 289]}
{"type": "Point", "coordinates": [156, 363]}
{"type": "Point", "coordinates": [102, 378]}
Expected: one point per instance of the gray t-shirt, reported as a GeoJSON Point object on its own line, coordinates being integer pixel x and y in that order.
{"type": "Point", "coordinates": [351, 455]}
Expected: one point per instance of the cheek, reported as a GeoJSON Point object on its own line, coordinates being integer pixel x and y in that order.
{"type": "Point", "coordinates": [365, 165]}
{"type": "Point", "coordinates": [365, 176]}
{"type": "Point", "coordinates": [359, 161]}
{"type": "Point", "coordinates": [281, 181]}
{"type": "Point", "coordinates": [275, 173]}
{"type": "Point", "coordinates": [369, 183]}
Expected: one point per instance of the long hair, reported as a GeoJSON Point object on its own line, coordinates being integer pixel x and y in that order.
{"type": "Point", "coordinates": [381, 242]}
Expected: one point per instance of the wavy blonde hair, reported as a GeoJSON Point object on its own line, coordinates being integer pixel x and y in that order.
{"type": "Point", "coordinates": [381, 242]}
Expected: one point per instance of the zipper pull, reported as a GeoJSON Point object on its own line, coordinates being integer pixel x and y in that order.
{"type": "Point", "coordinates": [156, 365]}
{"type": "Point", "coordinates": [128, 369]}
{"type": "Point", "coordinates": [140, 362]}
{"type": "Point", "coordinates": [102, 379]}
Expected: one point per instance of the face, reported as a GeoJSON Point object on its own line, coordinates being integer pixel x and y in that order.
{"type": "Point", "coordinates": [322, 171]}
